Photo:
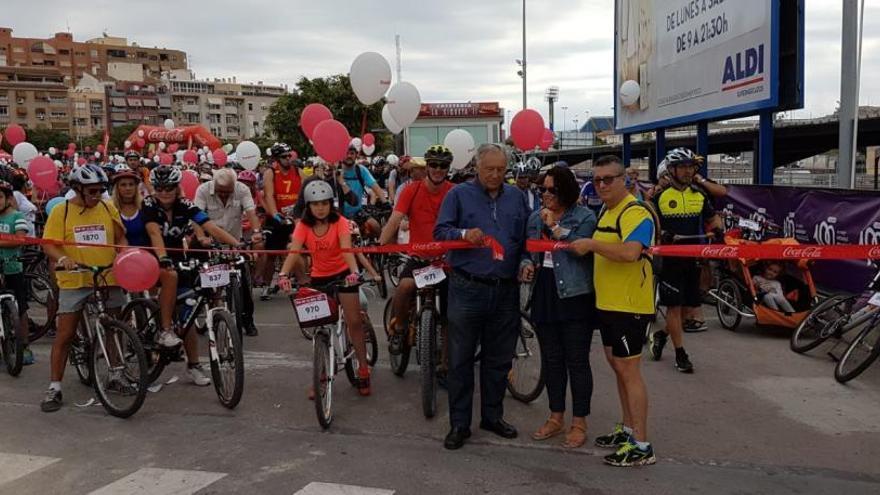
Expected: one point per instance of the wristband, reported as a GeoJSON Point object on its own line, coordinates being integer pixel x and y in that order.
{"type": "Point", "coordinates": [463, 233]}
{"type": "Point", "coordinates": [283, 275]}
{"type": "Point", "coordinates": [61, 259]}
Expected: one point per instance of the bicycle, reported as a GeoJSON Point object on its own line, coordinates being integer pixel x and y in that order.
{"type": "Point", "coordinates": [42, 304]}
{"type": "Point", "coordinates": [319, 308]}
{"type": "Point", "coordinates": [224, 342]}
{"type": "Point", "coordinates": [11, 344]}
{"type": "Point", "coordinates": [110, 351]}
{"type": "Point", "coordinates": [525, 381]}
{"type": "Point", "coordinates": [380, 213]}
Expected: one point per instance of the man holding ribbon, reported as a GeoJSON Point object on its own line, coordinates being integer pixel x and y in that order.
{"type": "Point", "coordinates": [483, 292]}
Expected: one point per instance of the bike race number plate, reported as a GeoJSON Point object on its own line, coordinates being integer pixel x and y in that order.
{"type": "Point", "coordinates": [429, 275]}
{"type": "Point", "coordinates": [875, 299]}
{"type": "Point", "coordinates": [749, 224]}
{"type": "Point", "coordinates": [312, 308]}
{"type": "Point", "coordinates": [215, 276]}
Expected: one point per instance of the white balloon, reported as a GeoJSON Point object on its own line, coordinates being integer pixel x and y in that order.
{"type": "Point", "coordinates": [629, 92]}
{"type": "Point", "coordinates": [141, 133]}
{"type": "Point", "coordinates": [392, 160]}
{"type": "Point", "coordinates": [404, 103]}
{"type": "Point", "coordinates": [227, 148]}
{"type": "Point", "coordinates": [23, 153]}
{"type": "Point", "coordinates": [169, 124]}
{"type": "Point", "coordinates": [98, 154]}
{"type": "Point", "coordinates": [52, 150]}
{"type": "Point", "coordinates": [162, 146]}
{"type": "Point", "coordinates": [248, 154]}
{"type": "Point", "coordinates": [462, 145]}
{"type": "Point", "coordinates": [206, 149]}
{"type": "Point", "coordinates": [357, 143]}
{"type": "Point", "coordinates": [369, 150]}
{"type": "Point", "coordinates": [157, 158]}
{"type": "Point", "coordinates": [179, 155]}
{"type": "Point", "coordinates": [127, 144]}
{"type": "Point", "coordinates": [370, 77]}
{"type": "Point", "coordinates": [389, 121]}
{"type": "Point", "coordinates": [58, 163]}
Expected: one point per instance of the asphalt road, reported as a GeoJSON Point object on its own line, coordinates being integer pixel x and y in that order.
{"type": "Point", "coordinates": [754, 418]}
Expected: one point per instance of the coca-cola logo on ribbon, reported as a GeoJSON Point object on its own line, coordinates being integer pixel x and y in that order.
{"type": "Point", "coordinates": [808, 252]}
{"type": "Point", "coordinates": [874, 253]}
{"type": "Point", "coordinates": [168, 136]}
{"type": "Point", "coordinates": [720, 252]}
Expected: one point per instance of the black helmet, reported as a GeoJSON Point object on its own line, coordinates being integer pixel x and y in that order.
{"type": "Point", "coordinates": [165, 175]}
{"type": "Point", "coordinates": [439, 154]}
{"type": "Point", "coordinates": [278, 150]}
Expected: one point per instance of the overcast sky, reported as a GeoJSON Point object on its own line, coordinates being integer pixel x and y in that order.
{"type": "Point", "coordinates": [452, 51]}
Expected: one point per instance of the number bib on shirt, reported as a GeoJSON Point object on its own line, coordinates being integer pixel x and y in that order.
{"type": "Point", "coordinates": [312, 308]}
{"type": "Point", "coordinates": [548, 260]}
{"type": "Point", "coordinates": [429, 275]}
{"type": "Point", "coordinates": [90, 234]}
{"type": "Point", "coordinates": [215, 276]}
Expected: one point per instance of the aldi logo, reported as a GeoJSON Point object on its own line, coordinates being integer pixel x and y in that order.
{"type": "Point", "coordinates": [743, 69]}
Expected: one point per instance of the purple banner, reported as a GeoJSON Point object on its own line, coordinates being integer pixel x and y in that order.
{"type": "Point", "coordinates": [816, 216]}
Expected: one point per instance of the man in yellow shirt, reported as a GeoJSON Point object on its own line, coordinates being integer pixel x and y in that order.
{"type": "Point", "coordinates": [85, 219]}
{"type": "Point", "coordinates": [624, 284]}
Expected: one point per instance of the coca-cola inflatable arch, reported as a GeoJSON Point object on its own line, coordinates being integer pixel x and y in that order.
{"type": "Point", "coordinates": [191, 136]}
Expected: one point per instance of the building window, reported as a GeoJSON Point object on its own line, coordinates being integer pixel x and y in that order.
{"type": "Point", "coordinates": [17, 49]}
{"type": "Point", "coordinates": [142, 55]}
{"type": "Point", "coordinates": [93, 53]}
{"type": "Point", "coordinates": [250, 107]}
{"type": "Point", "coordinates": [64, 51]}
{"type": "Point", "coordinates": [4, 110]}
{"type": "Point", "coordinates": [163, 57]}
{"type": "Point", "coordinates": [116, 53]}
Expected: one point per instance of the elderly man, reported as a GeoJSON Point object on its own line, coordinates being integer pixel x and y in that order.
{"type": "Point", "coordinates": [226, 200]}
{"type": "Point", "coordinates": [483, 293]}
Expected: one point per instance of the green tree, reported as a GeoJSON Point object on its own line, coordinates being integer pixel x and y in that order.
{"type": "Point", "coordinates": [118, 135]}
{"type": "Point", "coordinates": [43, 139]}
{"type": "Point", "coordinates": [336, 94]}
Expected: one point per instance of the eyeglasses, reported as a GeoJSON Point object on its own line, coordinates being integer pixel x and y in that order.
{"type": "Point", "coordinates": [166, 188]}
{"type": "Point", "coordinates": [548, 190]}
{"type": "Point", "coordinates": [606, 180]}
{"type": "Point", "coordinates": [439, 165]}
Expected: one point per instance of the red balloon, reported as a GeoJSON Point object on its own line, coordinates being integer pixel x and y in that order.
{"type": "Point", "coordinates": [136, 270]}
{"type": "Point", "coordinates": [331, 140]}
{"type": "Point", "coordinates": [369, 139]}
{"type": "Point", "coordinates": [80, 161]}
{"type": "Point", "coordinates": [165, 159]}
{"type": "Point", "coordinates": [190, 156]}
{"type": "Point", "coordinates": [547, 140]}
{"type": "Point", "coordinates": [526, 129]}
{"type": "Point", "coordinates": [15, 134]}
{"type": "Point", "coordinates": [189, 182]}
{"type": "Point", "coordinates": [312, 115]}
{"type": "Point", "coordinates": [71, 146]}
{"type": "Point", "coordinates": [69, 152]}
{"type": "Point", "coordinates": [140, 143]}
{"type": "Point", "coordinates": [42, 172]}
{"type": "Point", "coordinates": [100, 148]}
{"type": "Point", "coordinates": [172, 148]}
{"type": "Point", "coordinates": [88, 149]}
{"type": "Point", "coordinates": [220, 158]}
{"type": "Point", "coordinates": [53, 190]}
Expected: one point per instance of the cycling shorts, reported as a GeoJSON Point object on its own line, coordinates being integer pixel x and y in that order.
{"type": "Point", "coordinates": [624, 333]}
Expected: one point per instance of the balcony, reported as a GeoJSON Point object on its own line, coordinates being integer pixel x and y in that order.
{"type": "Point", "coordinates": [231, 109]}
{"type": "Point", "coordinates": [190, 109]}
{"type": "Point", "coordinates": [4, 100]}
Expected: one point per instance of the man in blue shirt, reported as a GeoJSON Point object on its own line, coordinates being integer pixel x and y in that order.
{"type": "Point", "coordinates": [359, 179]}
{"type": "Point", "coordinates": [483, 292]}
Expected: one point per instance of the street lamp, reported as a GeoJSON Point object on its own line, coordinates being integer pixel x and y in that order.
{"type": "Point", "coordinates": [563, 118]}
{"type": "Point", "coordinates": [551, 95]}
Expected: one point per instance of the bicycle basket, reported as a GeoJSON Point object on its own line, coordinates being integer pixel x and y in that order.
{"type": "Point", "coordinates": [314, 308]}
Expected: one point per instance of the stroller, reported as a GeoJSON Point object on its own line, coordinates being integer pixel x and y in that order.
{"type": "Point", "coordinates": [738, 296]}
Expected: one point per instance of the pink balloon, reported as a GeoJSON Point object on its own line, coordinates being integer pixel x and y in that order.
{"type": "Point", "coordinates": [71, 146]}
{"type": "Point", "coordinates": [140, 142]}
{"type": "Point", "coordinates": [331, 140]}
{"type": "Point", "coordinates": [526, 129]}
{"type": "Point", "coordinates": [100, 148]}
{"type": "Point", "coordinates": [172, 148]}
{"type": "Point", "coordinates": [52, 191]}
{"type": "Point", "coordinates": [189, 182]}
{"type": "Point", "coordinates": [547, 140]}
{"type": "Point", "coordinates": [165, 159]}
{"type": "Point", "coordinates": [369, 139]}
{"type": "Point", "coordinates": [312, 115]}
{"type": "Point", "coordinates": [220, 158]}
{"type": "Point", "coordinates": [15, 134]}
{"type": "Point", "coordinates": [80, 161]}
{"type": "Point", "coordinates": [88, 149]}
{"type": "Point", "coordinates": [136, 270]}
{"type": "Point", "coordinates": [42, 172]}
{"type": "Point", "coordinates": [190, 156]}
{"type": "Point", "coordinates": [69, 152]}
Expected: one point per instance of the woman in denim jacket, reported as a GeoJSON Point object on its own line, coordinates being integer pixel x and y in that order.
{"type": "Point", "coordinates": [563, 305]}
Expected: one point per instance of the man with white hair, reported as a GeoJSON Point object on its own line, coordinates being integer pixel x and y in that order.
{"type": "Point", "coordinates": [226, 201]}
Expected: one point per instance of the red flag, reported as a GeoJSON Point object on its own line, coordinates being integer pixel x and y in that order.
{"type": "Point", "coordinates": [106, 141]}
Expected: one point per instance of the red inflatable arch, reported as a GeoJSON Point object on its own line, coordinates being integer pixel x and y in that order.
{"type": "Point", "coordinates": [196, 135]}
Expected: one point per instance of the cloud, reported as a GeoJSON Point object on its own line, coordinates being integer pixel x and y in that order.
{"type": "Point", "coordinates": [453, 51]}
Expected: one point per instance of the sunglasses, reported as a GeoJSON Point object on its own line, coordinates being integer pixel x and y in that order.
{"type": "Point", "coordinates": [165, 188]}
{"type": "Point", "coordinates": [548, 190]}
{"type": "Point", "coordinates": [93, 191]}
{"type": "Point", "coordinates": [285, 157]}
{"type": "Point", "coordinates": [439, 165]}
{"type": "Point", "coordinates": [606, 180]}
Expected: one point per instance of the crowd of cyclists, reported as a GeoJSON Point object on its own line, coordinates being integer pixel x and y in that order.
{"type": "Point", "coordinates": [603, 281]}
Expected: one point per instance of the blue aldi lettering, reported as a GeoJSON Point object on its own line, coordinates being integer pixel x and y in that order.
{"type": "Point", "coordinates": [743, 65]}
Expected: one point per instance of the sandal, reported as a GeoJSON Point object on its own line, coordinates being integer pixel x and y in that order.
{"type": "Point", "coordinates": [576, 436]}
{"type": "Point", "coordinates": [549, 429]}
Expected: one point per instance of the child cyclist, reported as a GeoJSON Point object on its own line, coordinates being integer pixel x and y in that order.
{"type": "Point", "coordinates": [323, 232]}
{"type": "Point", "coordinates": [13, 221]}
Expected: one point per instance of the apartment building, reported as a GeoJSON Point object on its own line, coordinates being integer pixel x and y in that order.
{"type": "Point", "coordinates": [142, 103]}
{"type": "Point", "coordinates": [34, 97]}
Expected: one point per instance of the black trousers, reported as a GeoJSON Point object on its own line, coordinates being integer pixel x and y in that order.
{"type": "Point", "coordinates": [565, 357]}
{"type": "Point", "coordinates": [247, 298]}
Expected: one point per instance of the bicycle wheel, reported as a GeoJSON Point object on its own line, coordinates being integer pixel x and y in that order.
{"type": "Point", "coordinates": [863, 351]}
{"type": "Point", "coordinates": [370, 339]}
{"type": "Point", "coordinates": [400, 361]}
{"type": "Point", "coordinates": [322, 381]}
{"type": "Point", "coordinates": [119, 368]}
{"type": "Point", "coordinates": [42, 305]}
{"type": "Point", "coordinates": [525, 382]}
{"type": "Point", "coordinates": [144, 316]}
{"type": "Point", "coordinates": [12, 345]}
{"type": "Point", "coordinates": [81, 355]}
{"type": "Point", "coordinates": [227, 360]}
{"type": "Point", "coordinates": [379, 264]}
{"type": "Point", "coordinates": [428, 361]}
{"type": "Point", "coordinates": [234, 302]}
{"type": "Point", "coordinates": [393, 265]}
{"type": "Point", "coordinates": [728, 294]}
{"type": "Point", "coordinates": [822, 322]}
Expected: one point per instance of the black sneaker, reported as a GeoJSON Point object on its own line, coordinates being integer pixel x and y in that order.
{"type": "Point", "coordinates": [658, 341]}
{"type": "Point", "coordinates": [614, 439]}
{"type": "Point", "coordinates": [683, 362]}
{"type": "Point", "coordinates": [251, 330]}
{"type": "Point", "coordinates": [52, 401]}
{"type": "Point", "coordinates": [694, 326]}
{"type": "Point", "coordinates": [629, 454]}
{"type": "Point", "coordinates": [121, 386]}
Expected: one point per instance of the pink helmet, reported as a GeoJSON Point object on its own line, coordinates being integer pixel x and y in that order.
{"type": "Point", "coordinates": [247, 176]}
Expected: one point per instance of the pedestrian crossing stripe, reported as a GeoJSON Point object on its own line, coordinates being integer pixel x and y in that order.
{"type": "Point", "coordinates": [14, 466]}
{"type": "Point", "coordinates": [154, 481]}
{"type": "Point", "coordinates": [337, 489]}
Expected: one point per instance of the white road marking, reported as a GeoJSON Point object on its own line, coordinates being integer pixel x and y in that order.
{"type": "Point", "coordinates": [337, 489]}
{"type": "Point", "coordinates": [154, 481]}
{"type": "Point", "coordinates": [14, 466]}
{"type": "Point", "coordinates": [263, 360]}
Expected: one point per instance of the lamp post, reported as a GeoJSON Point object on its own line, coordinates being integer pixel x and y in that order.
{"type": "Point", "coordinates": [551, 95]}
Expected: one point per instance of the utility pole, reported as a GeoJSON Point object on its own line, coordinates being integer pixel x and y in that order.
{"type": "Point", "coordinates": [525, 100]}
{"type": "Point", "coordinates": [552, 95]}
{"type": "Point", "coordinates": [397, 46]}
{"type": "Point", "coordinates": [848, 94]}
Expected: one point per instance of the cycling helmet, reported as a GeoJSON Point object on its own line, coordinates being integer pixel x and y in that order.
{"type": "Point", "coordinates": [439, 153]}
{"type": "Point", "coordinates": [317, 191]}
{"type": "Point", "coordinates": [87, 175]}
{"type": "Point", "coordinates": [247, 176]}
{"type": "Point", "coordinates": [682, 156]}
{"type": "Point", "coordinates": [125, 173]}
{"type": "Point", "coordinates": [6, 187]}
{"type": "Point", "coordinates": [121, 168]}
{"type": "Point", "coordinates": [132, 154]}
{"type": "Point", "coordinates": [392, 160]}
{"type": "Point", "coordinates": [379, 160]}
{"type": "Point", "coordinates": [417, 163]}
{"type": "Point", "coordinates": [662, 168]}
{"type": "Point", "coordinates": [279, 149]}
{"type": "Point", "coordinates": [165, 175]}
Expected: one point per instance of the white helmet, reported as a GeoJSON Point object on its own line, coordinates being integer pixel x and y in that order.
{"type": "Point", "coordinates": [317, 191]}
{"type": "Point", "coordinates": [121, 167]}
{"type": "Point", "coordinates": [392, 160]}
{"type": "Point", "coordinates": [88, 174]}
{"type": "Point", "coordinates": [661, 169]}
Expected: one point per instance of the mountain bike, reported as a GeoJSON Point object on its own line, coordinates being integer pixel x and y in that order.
{"type": "Point", "coordinates": [11, 344]}
{"type": "Point", "coordinates": [525, 381]}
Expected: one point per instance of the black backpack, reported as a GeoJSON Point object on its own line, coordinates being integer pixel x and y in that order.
{"type": "Point", "coordinates": [656, 261]}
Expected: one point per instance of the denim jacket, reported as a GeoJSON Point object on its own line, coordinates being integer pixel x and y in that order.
{"type": "Point", "coordinates": [574, 274]}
